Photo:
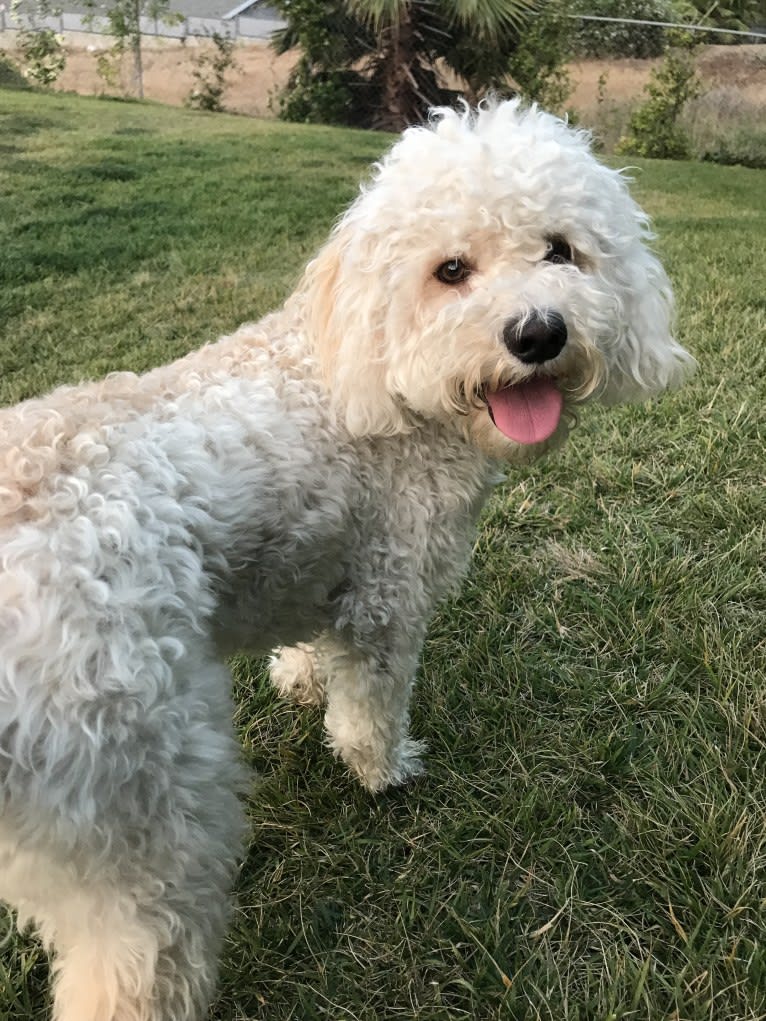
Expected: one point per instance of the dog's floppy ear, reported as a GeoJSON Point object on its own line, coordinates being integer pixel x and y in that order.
{"type": "Point", "coordinates": [645, 359]}
{"type": "Point", "coordinates": [345, 312]}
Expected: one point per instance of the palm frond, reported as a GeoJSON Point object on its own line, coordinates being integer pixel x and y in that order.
{"type": "Point", "coordinates": [491, 19]}
{"type": "Point", "coordinates": [379, 15]}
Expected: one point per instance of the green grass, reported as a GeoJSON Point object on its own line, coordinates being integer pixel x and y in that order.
{"type": "Point", "coordinates": [589, 842]}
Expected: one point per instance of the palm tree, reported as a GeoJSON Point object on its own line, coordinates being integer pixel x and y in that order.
{"type": "Point", "coordinates": [395, 48]}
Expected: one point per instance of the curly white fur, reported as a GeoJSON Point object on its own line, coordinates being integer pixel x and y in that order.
{"type": "Point", "coordinates": [315, 478]}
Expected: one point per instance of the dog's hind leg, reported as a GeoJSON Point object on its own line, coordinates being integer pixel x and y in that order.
{"type": "Point", "coordinates": [295, 673]}
{"type": "Point", "coordinates": [145, 947]}
{"type": "Point", "coordinates": [106, 959]}
{"type": "Point", "coordinates": [122, 959]}
{"type": "Point", "coordinates": [132, 893]}
{"type": "Point", "coordinates": [139, 940]}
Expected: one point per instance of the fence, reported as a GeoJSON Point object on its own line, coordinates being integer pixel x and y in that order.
{"type": "Point", "coordinates": [238, 27]}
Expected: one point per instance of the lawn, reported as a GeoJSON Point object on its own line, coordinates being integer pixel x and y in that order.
{"type": "Point", "coordinates": [589, 843]}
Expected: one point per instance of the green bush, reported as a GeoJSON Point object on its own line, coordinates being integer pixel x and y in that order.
{"type": "Point", "coordinates": [610, 39]}
{"type": "Point", "coordinates": [654, 128]}
{"type": "Point", "coordinates": [608, 118]}
{"type": "Point", "coordinates": [10, 76]}
{"type": "Point", "coordinates": [43, 55]}
{"type": "Point", "coordinates": [210, 74]}
{"type": "Point", "coordinates": [741, 148]}
{"type": "Point", "coordinates": [726, 127]}
{"type": "Point", "coordinates": [537, 66]}
{"type": "Point", "coordinates": [324, 97]}
{"type": "Point", "coordinates": [322, 88]}
{"type": "Point", "coordinates": [40, 51]}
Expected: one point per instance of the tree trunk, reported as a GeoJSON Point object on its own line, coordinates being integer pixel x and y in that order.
{"type": "Point", "coordinates": [398, 106]}
{"type": "Point", "coordinates": [138, 64]}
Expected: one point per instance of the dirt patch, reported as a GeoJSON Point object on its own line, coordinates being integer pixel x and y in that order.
{"type": "Point", "coordinates": [740, 67]}
{"type": "Point", "coordinates": [168, 66]}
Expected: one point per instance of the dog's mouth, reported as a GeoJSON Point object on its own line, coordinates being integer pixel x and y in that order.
{"type": "Point", "coordinates": [527, 412]}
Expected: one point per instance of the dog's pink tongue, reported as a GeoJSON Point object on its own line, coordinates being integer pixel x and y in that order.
{"type": "Point", "coordinates": [526, 412]}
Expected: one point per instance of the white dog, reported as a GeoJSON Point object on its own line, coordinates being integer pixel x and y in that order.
{"type": "Point", "coordinates": [314, 478]}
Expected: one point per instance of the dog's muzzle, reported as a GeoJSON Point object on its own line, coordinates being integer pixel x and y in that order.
{"type": "Point", "coordinates": [536, 338]}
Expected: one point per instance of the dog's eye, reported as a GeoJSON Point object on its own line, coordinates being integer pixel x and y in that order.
{"type": "Point", "coordinates": [454, 271]}
{"type": "Point", "coordinates": [559, 251]}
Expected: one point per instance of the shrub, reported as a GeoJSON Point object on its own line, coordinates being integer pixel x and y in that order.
{"type": "Point", "coordinates": [741, 148]}
{"type": "Point", "coordinates": [108, 66]}
{"type": "Point", "coordinates": [727, 128]}
{"type": "Point", "coordinates": [654, 128]}
{"type": "Point", "coordinates": [608, 118]}
{"type": "Point", "coordinates": [324, 97]}
{"type": "Point", "coordinates": [322, 88]}
{"type": "Point", "coordinates": [537, 66]}
{"type": "Point", "coordinates": [611, 39]}
{"type": "Point", "coordinates": [210, 74]}
{"type": "Point", "coordinates": [10, 76]}
{"type": "Point", "coordinates": [43, 57]}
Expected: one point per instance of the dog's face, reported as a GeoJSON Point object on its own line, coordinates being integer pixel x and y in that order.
{"type": "Point", "coordinates": [494, 275]}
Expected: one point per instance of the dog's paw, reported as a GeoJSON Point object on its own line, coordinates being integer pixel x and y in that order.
{"type": "Point", "coordinates": [405, 765]}
{"type": "Point", "coordinates": [293, 672]}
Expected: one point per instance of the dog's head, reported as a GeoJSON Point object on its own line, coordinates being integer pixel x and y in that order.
{"type": "Point", "coordinates": [494, 274]}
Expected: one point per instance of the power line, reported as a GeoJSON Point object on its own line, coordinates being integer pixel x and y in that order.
{"type": "Point", "coordinates": [666, 24]}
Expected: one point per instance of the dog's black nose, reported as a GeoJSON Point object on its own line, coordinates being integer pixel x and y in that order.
{"type": "Point", "coordinates": [536, 339]}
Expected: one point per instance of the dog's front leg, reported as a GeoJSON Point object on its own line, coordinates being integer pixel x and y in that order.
{"type": "Point", "coordinates": [367, 717]}
{"type": "Point", "coordinates": [296, 674]}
